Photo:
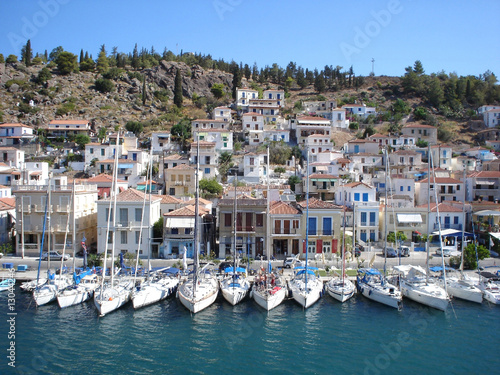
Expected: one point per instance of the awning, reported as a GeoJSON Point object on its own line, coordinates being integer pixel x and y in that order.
{"type": "Point", "coordinates": [322, 168]}
{"type": "Point", "coordinates": [180, 222]}
{"type": "Point", "coordinates": [479, 182]}
{"type": "Point", "coordinates": [452, 233]}
{"type": "Point", "coordinates": [409, 218]}
{"type": "Point", "coordinates": [496, 235]}
{"type": "Point", "coordinates": [125, 165]}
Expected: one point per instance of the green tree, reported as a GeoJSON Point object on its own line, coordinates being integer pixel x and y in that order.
{"type": "Point", "coordinates": [319, 83]}
{"type": "Point", "coordinates": [27, 53]}
{"type": "Point", "coordinates": [279, 170]}
{"type": "Point", "coordinates": [292, 181]}
{"type": "Point", "coordinates": [144, 95]}
{"type": "Point", "coordinates": [43, 75]}
{"type": "Point", "coordinates": [470, 261]}
{"type": "Point", "coordinates": [66, 63]}
{"type": "Point", "coordinates": [2, 59]}
{"type": "Point", "coordinates": [104, 85]}
{"type": "Point", "coordinates": [101, 134]}
{"type": "Point", "coordinates": [217, 90]}
{"type": "Point", "coordinates": [420, 113]}
{"type": "Point", "coordinates": [369, 131]}
{"type": "Point", "coordinates": [81, 140]}
{"type": "Point", "coordinates": [178, 89]}
{"type": "Point", "coordinates": [181, 132]}
{"type": "Point", "coordinates": [210, 186]}
{"type": "Point", "coordinates": [135, 127]}
{"type": "Point", "coordinates": [135, 59]}
{"type": "Point", "coordinates": [224, 163]}
{"type": "Point", "coordinates": [435, 93]}
{"type": "Point", "coordinates": [55, 53]}
{"type": "Point", "coordinates": [391, 237]}
{"type": "Point", "coordinates": [11, 59]}
{"type": "Point", "coordinates": [158, 229]}
{"type": "Point", "coordinates": [235, 70]}
{"type": "Point", "coordinates": [418, 68]}
{"type": "Point", "coordinates": [102, 62]}
{"type": "Point", "coordinates": [87, 65]}
{"type": "Point", "coordinates": [421, 143]}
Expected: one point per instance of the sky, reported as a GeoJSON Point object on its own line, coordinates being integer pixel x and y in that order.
{"type": "Point", "coordinates": [458, 36]}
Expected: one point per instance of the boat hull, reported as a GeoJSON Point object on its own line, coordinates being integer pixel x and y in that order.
{"type": "Point", "coordinates": [205, 295]}
{"type": "Point", "coordinates": [73, 298]}
{"type": "Point", "coordinates": [340, 291]}
{"type": "Point", "coordinates": [234, 295]}
{"type": "Point", "coordinates": [45, 294]}
{"type": "Point", "coordinates": [152, 293]}
{"type": "Point", "coordinates": [268, 300]}
{"type": "Point", "coordinates": [392, 300]}
{"type": "Point", "coordinates": [112, 298]}
{"type": "Point", "coordinates": [420, 295]}
{"type": "Point", "coordinates": [309, 297]}
{"type": "Point", "coordinates": [465, 292]}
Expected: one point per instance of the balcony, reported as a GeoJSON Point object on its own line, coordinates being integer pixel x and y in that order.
{"type": "Point", "coordinates": [247, 229]}
{"type": "Point", "coordinates": [448, 226]}
{"type": "Point", "coordinates": [179, 183]}
{"type": "Point", "coordinates": [326, 232]}
{"type": "Point", "coordinates": [292, 231]}
{"type": "Point", "coordinates": [62, 208]}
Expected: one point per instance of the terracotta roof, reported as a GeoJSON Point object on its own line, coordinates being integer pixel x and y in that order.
{"type": "Point", "coordinates": [360, 141]}
{"type": "Point", "coordinates": [440, 180]}
{"type": "Point", "coordinates": [103, 178]}
{"type": "Point", "coordinates": [318, 136]}
{"type": "Point", "coordinates": [193, 201]}
{"type": "Point", "coordinates": [242, 201]}
{"type": "Point", "coordinates": [342, 160]}
{"type": "Point", "coordinates": [378, 135]}
{"type": "Point", "coordinates": [147, 182]}
{"type": "Point", "coordinates": [311, 118]}
{"type": "Point", "coordinates": [175, 157]}
{"type": "Point", "coordinates": [67, 122]}
{"type": "Point", "coordinates": [406, 152]}
{"type": "Point", "coordinates": [133, 195]}
{"type": "Point", "coordinates": [252, 114]}
{"type": "Point", "coordinates": [419, 126]}
{"type": "Point", "coordinates": [209, 120]}
{"type": "Point", "coordinates": [202, 143]}
{"type": "Point", "coordinates": [187, 211]}
{"type": "Point", "coordinates": [181, 167]}
{"type": "Point", "coordinates": [318, 204]}
{"type": "Point", "coordinates": [12, 125]}
{"type": "Point", "coordinates": [165, 199]}
{"type": "Point", "coordinates": [443, 207]}
{"type": "Point", "coordinates": [485, 174]}
{"type": "Point", "coordinates": [319, 175]}
{"type": "Point", "coordinates": [366, 154]}
{"type": "Point", "coordinates": [356, 184]}
{"type": "Point", "coordinates": [7, 203]}
{"type": "Point", "coordinates": [282, 208]}
{"type": "Point", "coordinates": [494, 110]}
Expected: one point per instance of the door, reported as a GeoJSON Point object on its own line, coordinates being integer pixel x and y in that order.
{"type": "Point", "coordinates": [295, 247]}
{"type": "Point", "coordinates": [335, 244]}
{"type": "Point", "coordinates": [319, 246]}
{"type": "Point", "coordinates": [363, 235]}
{"type": "Point", "coordinates": [277, 226]}
{"type": "Point", "coordinates": [286, 224]}
{"type": "Point", "coordinates": [239, 221]}
{"type": "Point", "coordinates": [446, 222]}
{"type": "Point", "coordinates": [249, 221]}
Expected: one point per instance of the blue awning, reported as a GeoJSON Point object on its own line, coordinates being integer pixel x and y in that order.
{"type": "Point", "coordinates": [125, 166]}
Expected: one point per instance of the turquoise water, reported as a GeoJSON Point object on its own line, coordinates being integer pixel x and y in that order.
{"type": "Point", "coordinates": [357, 337]}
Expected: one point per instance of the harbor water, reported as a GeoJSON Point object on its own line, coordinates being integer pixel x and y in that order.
{"type": "Point", "coordinates": [357, 337]}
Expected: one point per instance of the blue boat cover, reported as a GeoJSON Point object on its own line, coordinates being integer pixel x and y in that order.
{"type": "Point", "coordinates": [80, 276]}
{"type": "Point", "coordinates": [303, 268]}
{"type": "Point", "coordinates": [370, 271]}
{"type": "Point", "coordinates": [172, 270]}
{"type": "Point", "coordinates": [440, 268]}
{"type": "Point", "coordinates": [238, 269]}
{"type": "Point", "coordinates": [301, 272]}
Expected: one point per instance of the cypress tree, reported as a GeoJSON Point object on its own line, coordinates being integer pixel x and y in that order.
{"type": "Point", "coordinates": [468, 91]}
{"type": "Point", "coordinates": [178, 89]}
{"type": "Point", "coordinates": [135, 58]}
{"type": "Point", "coordinates": [27, 54]}
{"type": "Point", "coordinates": [144, 91]}
{"type": "Point", "coordinates": [81, 56]}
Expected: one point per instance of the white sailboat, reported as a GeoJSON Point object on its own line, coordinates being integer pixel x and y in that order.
{"type": "Point", "coordinates": [373, 285]}
{"type": "Point", "coordinates": [83, 289]}
{"type": "Point", "coordinates": [490, 286]}
{"type": "Point", "coordinates": [416, 285]}
{"type": "Point", "coordinates": [306, 287]}
{"type": "Point", "coordinates": [340, 287]}
{"type": "Point", "coordinates": [200, 290]}
{"type": "Point", "coordinates": [113, 295]}
{"type": "Point", "coordinates": [268, 290]}
{"type": "Point", "coordinates": [235, 285]}
{"type": "Point", "coordinates": [156, 287]}
{"type": "Point", "coordinates": [457, 286]}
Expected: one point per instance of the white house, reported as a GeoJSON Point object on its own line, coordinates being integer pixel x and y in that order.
{"type": "Point", "coordinates": [254, 167]}
{"type": "Point", "coordinates": [244, 94]}
{"type": "Point", "coordinates": [360, 110]}
{"type": "Point", "coordinates": [309, 125]}
{"type": "Point", "coordinates": [317, 143]}
{"type": "Point", "coordinates": [445, 188]}
{"type": "Point", "coordinates": [222, 138]}
{"type": "Point", "coordinates": [491, 117]}
{"type": "Point", "coordinates": [200, 125]}
{"type": "Point", "coordinates": [67, 128]}
{"type": "Point", "coordinates": [208, 158]}
{"type": "Point", "coordinates": [130, 229]}
{"type": "Point", "coordinates": [14, 134]}
{"type": "Point", "coordinates": [222, 113]}
{"type": "Point", "coordinates": [361, 145]}
{"type": "Point", "coordinates": [162, 142]}
{"type": "Point", "coordinates": [442, 156]}
{"type": "Point", "coordinates": [12, 156]}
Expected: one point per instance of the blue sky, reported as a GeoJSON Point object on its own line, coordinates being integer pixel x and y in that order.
{"type": "Point", "coordinates": [455, 36]}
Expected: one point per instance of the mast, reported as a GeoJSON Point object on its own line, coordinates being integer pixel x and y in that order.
{"type": "Point", "coordinates": [428, 212]}
{"type": "Point", "coordinates": [66, 230]}
{"type": "Point", "coordinates": [22, 227]}
{"type": "Point", "coordinates": [43, 239]}
{"type": "Point", "coordinates": [150, 199]}
{"type": "Point", "coordinates": [343, 249]}
{"type": "Point", "coordinates": [268, 221]}
{"type": "Point", "coordinates": [196, 213]}
{"type": "Point", "coordinates": [73, 237]}
{"type": "Point", "coordinates": [49, 204]}
{"type": "Point", "coordinates": [235, 224]}
{"type": "Point", "coordinates": [114, 209]}
{"type": "Point", "coordinates": [385, 213]}
{"type": "Point", "coordinates": [307, 213]}
{"type": "Point", "coordinates": [463, 227]}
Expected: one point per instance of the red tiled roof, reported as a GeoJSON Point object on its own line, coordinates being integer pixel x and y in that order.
{"type": "Point", "coordinates": [319, 175]}
{"type": "Point", "coordinates": [193, 201]}
{"type": "Point", "coordinates": [485, 174]}
{"type": "Point", "coordinates": [282, 208]}
{"type": "Point", "coordinates": [187, 211]}
{"type": "Point", "coordinates": [68, 122]}
{"type": "Point", "coordinates": [419, 126]}
{"type": "Point", "coordinates": [318, 204]}
{"type": "Point", "coordinates": [181, 167]}
{"type": "Point", "coordinates": [103, 178]}
{"type": "Point", "coordinates": [443, 207]}
{"type": "Point", "coordinates": [7, 203]}
{"type": "Point", "coordinates": [165, 199]}
{"type": "Point", "coordinates": [440, 180]}
{"type": "Point", "coordinates": [355, 184]}
{"type": "Point", "coordinates": [133, 195]}
{"type": "Point", "coordinates": [14, 125]}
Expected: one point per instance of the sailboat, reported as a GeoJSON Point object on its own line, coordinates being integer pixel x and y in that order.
{"type": "Point", "coordinates": [457, 286]}
{"type": "Point", "coordinates": [114, 294]}
{"type": "Point", "coordinates": [490, 286]}
{"type": "Point", "coordinates": [235, 285]}
{"type": "Point", "coordinates": [340, 287]}
{"type": "Point", "coordinates": [268, 290]}
{"type": "Point", "coordinates": [47, 292]}
{"type": "Point", "coordinates": [156, 287]}
{"type": "Point", "coordinates": [306, 287]}
{"type": "Point", "coordinates": [371, 283]}
{"type": "Point", "coordinates": [200, 290]}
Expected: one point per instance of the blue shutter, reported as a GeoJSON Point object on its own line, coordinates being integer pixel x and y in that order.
{"type": "Point", "coordinates": [372, 218]}
{"type": "Point", "coordinates": [356, 197]}
{"type": "Point", "coordinates": [327, 226]}
{"type": "Point", "coordinates": [365, 197]}
{"type": "Point", "coordinates": [312, 226]}
{"type": "Point", "coordinates": [363, 218]}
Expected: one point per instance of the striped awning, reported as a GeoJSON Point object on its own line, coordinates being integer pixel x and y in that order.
{"type": "Point", "coordinates": [409, 218]}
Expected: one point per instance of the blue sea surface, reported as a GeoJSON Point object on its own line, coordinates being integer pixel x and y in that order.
{"type": "Point", "coordinates": [357, 337]}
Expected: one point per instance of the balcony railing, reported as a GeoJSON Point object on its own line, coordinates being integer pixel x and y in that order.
{"type": "Point", "coordinates": [448, 226]}
{"type": "Point", "coordinates": [241, 228]}
{"type": "Point", "coordinates": [287, 231]}
{"type": "Point", "coordinates": [326, 232]}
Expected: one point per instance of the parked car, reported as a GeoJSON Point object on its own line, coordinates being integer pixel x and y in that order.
{"type": "Point", "coordinates": [56, 255]}
{"type": "Point", "coordinates": [357, 252]}
{"type": "Point", "coordinates": [404, 251]}
{"type": "Point", "coordinates": [446, 252]}
{"type": "Point", "coordinates": [293, 262]}
{"type": "Point", "coordinates": [391, 253]}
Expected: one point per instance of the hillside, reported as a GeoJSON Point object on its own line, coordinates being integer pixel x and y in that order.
{"type": "Point", "coordinates": [75, 96]}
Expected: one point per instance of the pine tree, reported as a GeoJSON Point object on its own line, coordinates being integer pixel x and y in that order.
{"type": "Point", "coordinates": [135, 58]}
{"type": "Point", "coordinates": [235, 70]}
{"type": "Point", "coordinates": [319, 83]}
{"type": "Point", "coordinates": [102, 62]}
{"type": "Point", "coordinates": [178, 89]}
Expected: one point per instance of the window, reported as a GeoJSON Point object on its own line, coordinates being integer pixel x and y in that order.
{"type": "Point", "coordinates": [171, 191]}
{"type": "Point", "coordinates": [172, 177]}
{"type": "Point", "coordinates": [311, 247]}
{"type": "Point", "coordinates": [372, 219]}
{"type": "Point", "coordinates": [91, 150]}
{"type": "Point", "coordinates": [409, 188]}
{"type": "Point", "coordinates": [227, 220]}
{"type": "Point", "coordinates": [110, 237]}
{"type": "Point", "coordinates": [356, 197]}
{"type": "Point", "coordinates": [401, 188]}
{"type": "Point", "coordinates": [102, 152]}
{"type": "Point", "coordinates": [296, 224]}
{"type": "Point", "coordinates": [327, 226]}
{"type": "Point", "coordinates": [207, 171]}
{"type": "Point", "coordinates": [137, 236]}
{"type": "Point", "coordinates": [365, 197]}
{"type": "Point", "coordinates": [188, 178]}
{"type": "Point", "coordinates": [259, 220]}
{"type": "Point", "coordinates": [124, 216]}
{"type": "Point", "coordinates": [174, 231]}
{"type": "Point", "coordinates": [138, 214]}
{"type": "Point", "coordinates": [108, 216]}
{"type": "Point", "coordinates": [363, 218]}
{"type": "Point", "coordinates": [327, 247]}
{"type": "Point", "coordinates": [123, 236]}
{"type": "Point", "coordinates": [455, 220]}
{"type": "Point", "coordinates": [187, 230]}
{"type": "Point", "coordinates": [312, 226]}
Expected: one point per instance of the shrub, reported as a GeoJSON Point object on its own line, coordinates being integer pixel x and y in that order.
{"type": "Point", "coordinates": [104, 85]}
